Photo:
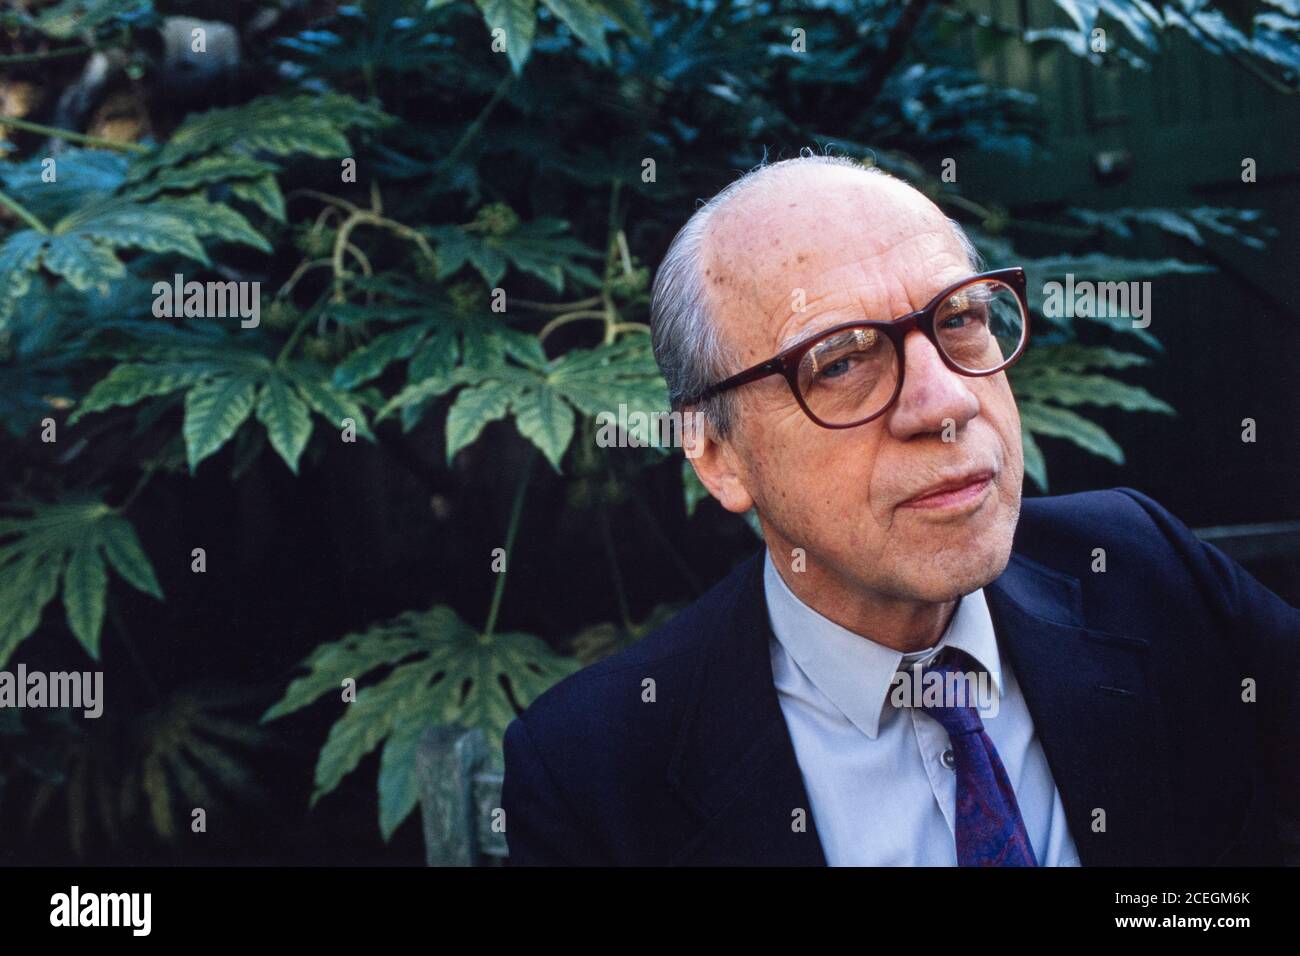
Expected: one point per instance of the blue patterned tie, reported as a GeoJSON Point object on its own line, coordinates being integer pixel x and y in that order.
{"type": "Point", "coordinates": [990, 831]}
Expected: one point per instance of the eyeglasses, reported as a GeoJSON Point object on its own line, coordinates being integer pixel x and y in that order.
{"type": "Point", "coordinates": [852, 373]}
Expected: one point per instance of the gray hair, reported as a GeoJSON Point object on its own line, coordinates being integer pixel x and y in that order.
{"type": "Point", "coordinates": [686, 341]}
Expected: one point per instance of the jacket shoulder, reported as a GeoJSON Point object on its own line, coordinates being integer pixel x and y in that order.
{"type": "Point", "coordinates": [600, 691]}
{"type": "Point", "coordinates": [593, 751]}
{"type": "Point", "coordinates": [1062, 532]}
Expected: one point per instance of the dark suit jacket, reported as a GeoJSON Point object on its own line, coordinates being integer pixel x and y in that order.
{"type": "Point", "coordinates": [1133, 678]}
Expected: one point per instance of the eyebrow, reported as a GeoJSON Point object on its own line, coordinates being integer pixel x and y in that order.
{"type": "Point", "coordinates": [837, 315]}
{"type": "Point", "coordinates": [828, 320]}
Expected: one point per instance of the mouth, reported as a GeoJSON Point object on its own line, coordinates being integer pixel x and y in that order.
{"type": "Point", "coordinates": [964, 492]}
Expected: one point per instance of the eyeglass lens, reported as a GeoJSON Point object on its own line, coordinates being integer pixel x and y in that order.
{"type": "Point", "coordinates": [852, 374]}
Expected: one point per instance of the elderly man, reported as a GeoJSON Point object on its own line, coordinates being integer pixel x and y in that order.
{"type": "Point", "coordinates": [849, 356]}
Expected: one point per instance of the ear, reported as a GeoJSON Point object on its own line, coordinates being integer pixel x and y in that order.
{"type": "Point", "coordinates": [718, 467]}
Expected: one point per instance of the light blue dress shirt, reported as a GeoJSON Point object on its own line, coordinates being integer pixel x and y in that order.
{"type": "Point", "coordinates": [878, 776]}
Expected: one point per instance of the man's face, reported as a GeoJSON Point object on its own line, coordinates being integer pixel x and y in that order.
{"type": "Point", "coordinates": [859, 247]}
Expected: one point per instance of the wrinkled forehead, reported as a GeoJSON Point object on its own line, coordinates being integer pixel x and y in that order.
{"type": "Point", "coordinates": [824, 245]}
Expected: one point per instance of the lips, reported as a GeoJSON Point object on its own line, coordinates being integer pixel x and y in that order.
{"type": "Point", "coordinates": [950, 492]}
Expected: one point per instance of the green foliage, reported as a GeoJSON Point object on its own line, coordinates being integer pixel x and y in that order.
{"type": "Point", "coordinates": [224, 385]}
{"type": "Point", "coordinates": [272, 125]}
{"type": "Point", "coordinates": [480, 172]}
{"type": "Point", "coordinates": [606, 638]}
{"type": "Point", "coordinates": [517, 20]}
{"type": "Point", "coordinates": [69, 18]}
{"type": "Point", "coordinates": [89, 217]}
{"type": "Point", "coordinates": [69, 540]}
{"type": "Point", "coordinates": [143, 774]}
{"type": "Point", "coordinates": [544, 397]}
{"type": "Point", "coordinates": [1240, 225]}
{"type": "Point", "coordinates": [536, 247]}
{"type": "Point", "coordinates": [442, 671]}
{"type": "Point", "coordinates": [1051, 376]}
{"type": "Point", "coordinates": [1259, 34]}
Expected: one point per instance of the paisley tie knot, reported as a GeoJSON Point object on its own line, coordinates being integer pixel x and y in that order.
{"type": "Point", "coordinates": [957, 682]}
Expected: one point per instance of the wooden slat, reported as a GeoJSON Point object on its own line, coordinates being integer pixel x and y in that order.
{"type": "Point", "coordinates": [1255, 542]}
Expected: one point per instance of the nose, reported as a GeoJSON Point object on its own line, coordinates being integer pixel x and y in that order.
{"type": "Point", "coordinates": [932, 393]}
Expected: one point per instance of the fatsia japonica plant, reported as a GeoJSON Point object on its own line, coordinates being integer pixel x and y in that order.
{"type": "Point", "coordinates": [450, 212]}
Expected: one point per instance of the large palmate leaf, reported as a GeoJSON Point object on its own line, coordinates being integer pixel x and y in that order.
{"type": "Point", "coordinates": [70, 540]}
{"type": "Point", "coordinates": [225, 386]}
{"type": "Point", "coordinates": [138, 773]}
{"type": "Point", "coordinates": [233, 147]}
{"type": "Point", "coordinates": [1052, 375]}
{"type": "Point", "coordinates": [544, 399]}
{"type": "Point", "coordinates": [443, 672]}
{"type": "Point", "coordinates": [81, 246]}
{"type": "Point", "coordinates": [538, 247]}
{"type": "Point", "coordinates": [437, 337]}
{"type": "Point", "coordinates": [271, 125]}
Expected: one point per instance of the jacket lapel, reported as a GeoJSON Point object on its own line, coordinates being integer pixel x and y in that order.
{"type": "Point", "coordinates": [1095, 712]}
{"type": "Point", "coordinates": [733, 762]}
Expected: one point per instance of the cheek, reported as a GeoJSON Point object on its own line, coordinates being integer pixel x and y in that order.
{"type": "Point", "coordinates": [998, 409]}
{"type": "Point", "coordinates": [819, 471]}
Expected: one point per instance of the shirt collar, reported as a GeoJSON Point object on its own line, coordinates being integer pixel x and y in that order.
{"type": "Point", "coordinates": [854, 672]}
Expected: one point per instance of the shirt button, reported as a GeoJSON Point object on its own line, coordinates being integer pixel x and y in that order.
{"type": "Point", "coordinates": [948, 759]}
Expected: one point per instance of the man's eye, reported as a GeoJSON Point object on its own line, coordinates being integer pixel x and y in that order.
{"type": "Point", "coordinates": [835, 369]}
{"type": "Point", "coordinates": [960, 320]}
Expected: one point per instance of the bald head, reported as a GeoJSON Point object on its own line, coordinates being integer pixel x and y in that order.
{"type": "Point", "coordinates": [746, 252]}
{"type": "Point", "coordinates": [802, 232]}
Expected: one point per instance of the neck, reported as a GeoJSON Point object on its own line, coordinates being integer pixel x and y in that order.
{"type": "Point", "coordinates": [898, 623]}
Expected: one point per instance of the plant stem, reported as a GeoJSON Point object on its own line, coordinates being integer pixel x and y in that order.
{"type": "Point", "coordinates": [139, 486]}
{"type": "Point", "coordinates": [323, 197]}
{"type": "Point", "coordinates": [629, 327]}
{"type": "Point", "coordinates": [615, 189]}
{"type": "Point", "coordinates": [474, 127]}
{"type": "Point", "coordinates": [298, 329]}
{"type": "Point", "coordinates": [613, 569]}
{"type": "Point", "coordinates": [360, 217]}
{"type": "Point", "coordinates": [299, 271]}
{"type": "Point", "coordinates": [516, 510]}
{"type": "Point", "coordinates": [136, 660]}
{"type": "Point", "coordinates": [612, 319]}
{"type": "Point", "coordinates": [560, 320]}
{"type": "Point", "coordinates": [22, 213]}
{"type": "Point", "coordinates": [557, 306]}
{"type": "Point", "coordinates": [71, 136]}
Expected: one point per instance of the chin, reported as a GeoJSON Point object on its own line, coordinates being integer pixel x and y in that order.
{"type": "Point", "coordinates": [945, 570]}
